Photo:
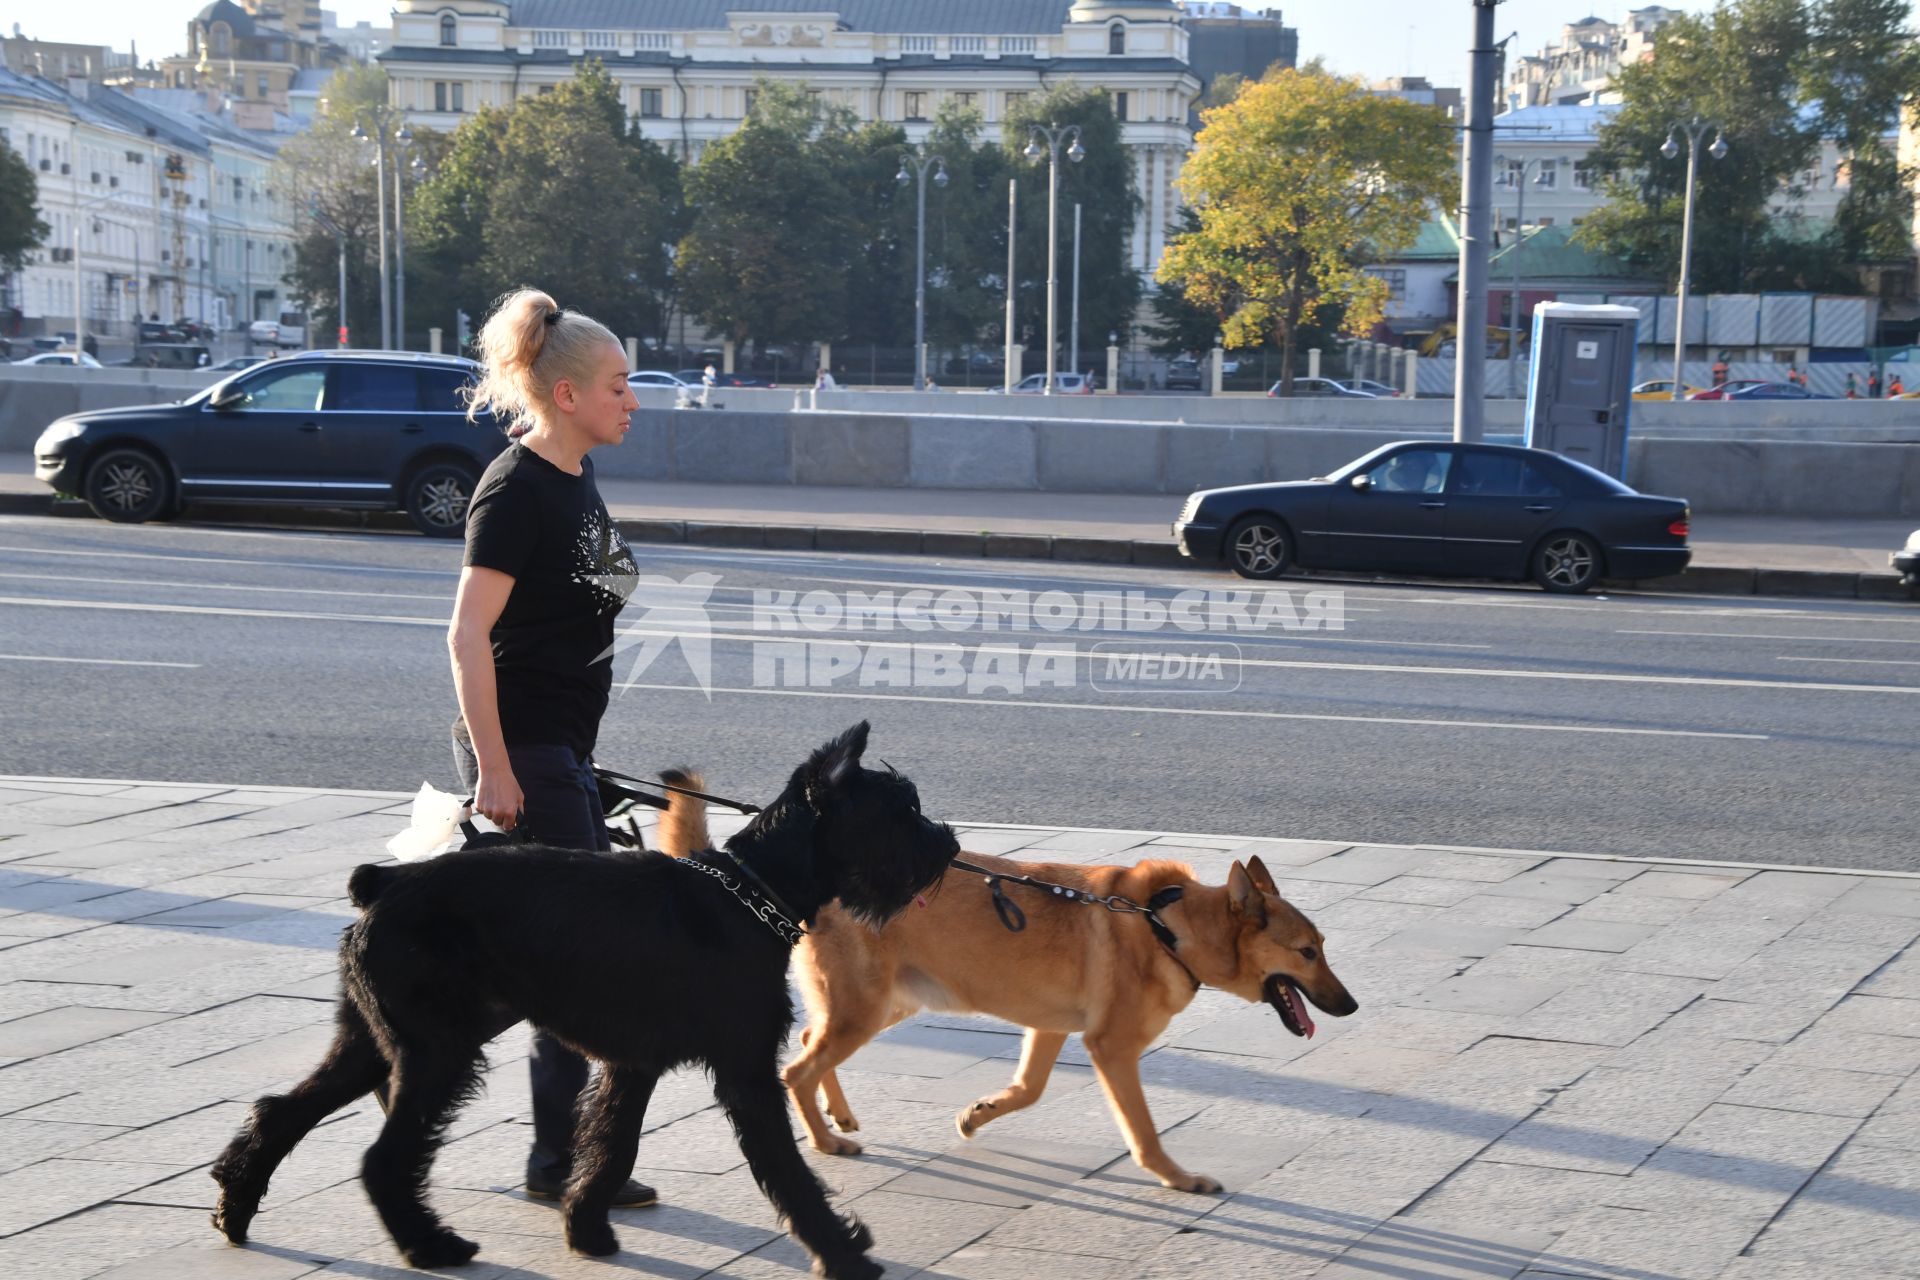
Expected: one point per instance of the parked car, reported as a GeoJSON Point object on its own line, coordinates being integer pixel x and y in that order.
{"type": "Point", "coordinates": [696, 378]}
{"type": "Point", "coordinates": [658, 378]}
{"type": "Point", "coordinates": [61, 357]}
{"type": "Point", "coordinates": [1182, 374]}
{"type": "Point", "coordinates": [1064, 384]}
{"type": "Point", "coordinates": [1776, 391]}
{"type": "Point", "coordinates": [372, 430]}
{"type": "Point", "coordinates": [171, 355]}
{"type": "Point", "coordinates": [266, 332]}
{"type": "Point", "coordinates": [236, 363]}
{"type": "Point", "coordinates": [1437, 509]}
{"type": "Point", "coordinates": [156, 331]}
{"type": "Point", "coordinates": [1906, 561]}
{"type": "Point", "coordinates": [1662, 389]}
{"type": "Point", "coordinates": [1322, 389]}
{"type": "Point", "coordinates": [1726, 389]}
{"type": "Point", "coordinates": [1379, 390]}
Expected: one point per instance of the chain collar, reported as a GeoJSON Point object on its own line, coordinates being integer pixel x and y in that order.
{"type": "Point", "coordinates": [787, 930]}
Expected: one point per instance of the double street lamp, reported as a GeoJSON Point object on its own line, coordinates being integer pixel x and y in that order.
{"type": "Point", "coordinates": [1055, 136]}
{"type": "Point", "coordinates": [1695, 131]}
{"type": "Point", "coordinates": [1516, 172]}
{"type": "Point", "coordinates": [399, 141]}
{"type": "Point", "coordinates": [920, 165]}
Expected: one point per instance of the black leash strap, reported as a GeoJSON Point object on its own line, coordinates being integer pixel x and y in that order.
{"type": "Point", "coordinates": [738, 806]}
{"type": "Point", "coordinates": [767, 910]}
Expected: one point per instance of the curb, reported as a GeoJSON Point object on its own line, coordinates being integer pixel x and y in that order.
{"type": "Point", "coordinates": [1701, 580]}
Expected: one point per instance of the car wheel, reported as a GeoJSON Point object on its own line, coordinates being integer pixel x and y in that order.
{"type": "Point", "coordinates": [1566, 563]}
{"type": "Point", "coordinates": [437, 498]}
{"type": "Point", "coordinates": [1258, 547]}
{"type": "Point", "coordinates": [128, 486]}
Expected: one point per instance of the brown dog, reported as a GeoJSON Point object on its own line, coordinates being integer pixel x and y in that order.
{"type": "Point", "coordinates": [1074, 967]}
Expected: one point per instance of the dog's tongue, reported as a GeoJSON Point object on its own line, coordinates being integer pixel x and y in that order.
{"type": "Point", "coordinates": [1299, 1007]}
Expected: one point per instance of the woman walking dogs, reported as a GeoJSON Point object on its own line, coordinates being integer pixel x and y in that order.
{"type": "Point", "coordinates": [545, 573]}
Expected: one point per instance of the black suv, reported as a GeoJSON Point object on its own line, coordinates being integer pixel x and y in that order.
{"type": "Point", "coordinates": [384, 431]}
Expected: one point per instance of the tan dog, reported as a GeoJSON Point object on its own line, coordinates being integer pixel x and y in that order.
{"type": "Point", "coordinates": [1075, 967]}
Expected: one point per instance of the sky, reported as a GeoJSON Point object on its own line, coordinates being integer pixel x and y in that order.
{"type": "Point", "coordinates": [1374, 38]}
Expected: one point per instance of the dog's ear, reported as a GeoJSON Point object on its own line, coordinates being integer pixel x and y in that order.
{"type": "Point", "coordinates": [834, 763]}
{"type": "Point", "coordinates": [1261, 877]}
{"type": "Point", "coordinates": [1244, 896]}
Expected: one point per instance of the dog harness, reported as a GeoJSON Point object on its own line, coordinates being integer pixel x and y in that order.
{"type": "Point", "coordinates": [1016, 920]}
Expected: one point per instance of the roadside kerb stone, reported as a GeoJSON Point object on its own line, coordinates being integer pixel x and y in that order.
{"type": "Point", "coordinates": [1518, 1093]}
{"type": "Point", "coordinates": [1019, 546]}
{"type": "Point", "coordinates": [1093, 550]}
{"type": "Point", "coordinates": [900, 541]}
{"type": "Point", "coordinates": [726, 535]}
{"type": "Point", "coordinates": [639, 530]}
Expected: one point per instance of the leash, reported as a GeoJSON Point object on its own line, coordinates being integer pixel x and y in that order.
{"type": "Point", "coordinates": [1016, 920]}
{"type": "Point", "coordinates": [753, 894]}
{"type": "Point", "coordinates": [739, 806]}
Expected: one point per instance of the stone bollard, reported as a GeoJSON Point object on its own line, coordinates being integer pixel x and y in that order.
{"type": "Point", "coordinates": [1412, 373]}
{"type": "Point", "coordinates": [433, 341]}
{"type": "Point", "coordinates": [1113, 370]}
{"type": "Point", "coordinates": [633, 354]}
{"type": "Point", "coordinates": [1219, 359]}
{"type": "Point", "coordinates": [726, 356]}
{"type": "Point", "coordinates": [1313, 362]}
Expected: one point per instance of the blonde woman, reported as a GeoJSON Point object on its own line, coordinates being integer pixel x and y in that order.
{"type": "Point", "coordinates": [545, 572]}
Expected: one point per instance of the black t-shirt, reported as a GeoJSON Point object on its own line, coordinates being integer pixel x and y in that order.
{"type": "Point", "coordinates": [572, 572]}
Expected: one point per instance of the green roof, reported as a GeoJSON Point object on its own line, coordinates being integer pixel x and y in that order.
{"type": "Point", "coordinates": [1438, 241]}
{"type": "Point", "coordinates": [1551, 253]}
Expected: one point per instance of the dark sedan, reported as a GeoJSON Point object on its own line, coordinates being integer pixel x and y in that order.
{"type": "Point", "coordinates": [1775, 391]}
{"type": "Point", "coordinates": [1443, 510]}
{"type": "Point", "coordinates": [370, 430]}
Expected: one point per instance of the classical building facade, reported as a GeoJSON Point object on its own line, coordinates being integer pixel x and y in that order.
{"type": "Point", "coordinates": [1580, 67]}
{"type": "Point", "coordinates": [686, 68]}
{"type": "Point", "coordinates": [253, 51]}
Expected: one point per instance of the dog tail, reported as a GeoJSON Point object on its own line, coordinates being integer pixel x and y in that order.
{"type": "Point", "coordinates": [683, 827]}
{"type": "Point", "coordinates": [365, 884]}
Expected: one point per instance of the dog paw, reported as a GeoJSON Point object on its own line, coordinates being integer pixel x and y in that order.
{"type": "Point", "coordinates": [859, 1237]}
{"type": "Point", "coordinates": [442, 1249]}
{"type": "Point", "coordinates": [973, 1116]}
{"type": "Point", "coordinates": [851, 1266]}
{"type": "Point", "coordinates": [1198, 1183]}
{"type": "Point", "coordinates": [845, 1123]}
{"type": "Point", "coordinates": [833, 1144]}
{"type": "Point", "coordinates": [595, 1239]}
{"type": "Point", "coordinates": [231, 1219]}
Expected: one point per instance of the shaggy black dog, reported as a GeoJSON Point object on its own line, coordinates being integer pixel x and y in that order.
{"type": "Point", "coordinates": [641, 962]}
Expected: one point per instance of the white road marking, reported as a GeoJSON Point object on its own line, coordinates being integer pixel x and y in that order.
{"type": "Point", "coordinates": [1858, 662]}
{"type": "Point", "coordinates": [218, 612]}
{"type": "Point", "coordinates": [446, 599]}
{"type": "Point", "coordinates": [97, 662]}
{"type": "Point", "coordinates": [1131, 709]}
{"type": "Point", "coordinates": [1760, 635]}
{"type": "Point", "coordinates": [320, 565]}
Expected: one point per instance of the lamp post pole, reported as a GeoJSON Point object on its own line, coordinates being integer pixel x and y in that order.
{"type": "Point", "coordinates": [1695, 130]}
{"type": "Point", "coordinates": [82, 218]}
{"type": "Point", "coordinates": [339, 234]}
{"type": "Point", "coordinates": [1073, 326]}
{"type": "Point", "coordinates": [1055, 136]}
{"type": "Point", "coordinates": [1013, 205]}
{"type": "Point", "coordinates": [921, 165]}
{"type": "Point", "coordinates": [381, 117]}
{"type": "Point", "coordinates": [1518, 180]}
{"type": "Point", "coordinates": [402, 140]}
{"type": "Point", "coordinates": [1476, 200]}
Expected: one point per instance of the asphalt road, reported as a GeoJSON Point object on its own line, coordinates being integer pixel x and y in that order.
{"type": "Point", "coordinates": [1698, 727]}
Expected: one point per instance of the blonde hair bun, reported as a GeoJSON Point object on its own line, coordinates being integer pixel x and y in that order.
{"type": "Point", "coordinates": [528, 344]}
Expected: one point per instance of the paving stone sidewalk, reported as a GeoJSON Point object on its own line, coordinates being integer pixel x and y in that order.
{"type": "Point", "coordinates": [1562, 1067]}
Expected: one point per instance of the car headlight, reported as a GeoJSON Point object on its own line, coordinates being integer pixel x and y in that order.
{"type": "Point", "coordinates": [1913, 540]}
{"type": "Point", "coordinates": [59, 433]}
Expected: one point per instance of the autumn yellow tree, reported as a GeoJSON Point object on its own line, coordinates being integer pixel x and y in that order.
{"type": "Point", "coordinates": [1299, 182]}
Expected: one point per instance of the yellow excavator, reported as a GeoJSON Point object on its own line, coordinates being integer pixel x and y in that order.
{"type": "Point", "coordinates": [1497, 338]}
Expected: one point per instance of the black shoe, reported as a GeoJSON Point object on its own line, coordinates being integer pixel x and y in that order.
{"type": "Point", "coordinates": [631, 1195]}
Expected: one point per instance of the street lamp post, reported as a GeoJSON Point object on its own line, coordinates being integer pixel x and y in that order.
{"type": "Point", "coordinates": [403, 141]}
{"type": "Point", "coordinates": [79, 294]}
{"type": "Point", "coordinates": [1055, 135]}
{"type": "Point", "coordinates": [340, 235]}
{"type": "Point", "coordinates": [382, 118]}
{"type": "Point", "coordinates": [920, 165]}
{"type": "Point", "coordinates": [1695, 130]}
{"type": "Point", "coordinates": [1518, 180]}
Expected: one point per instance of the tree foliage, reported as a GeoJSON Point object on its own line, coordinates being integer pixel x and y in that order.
{"type": "Point", "coordinates": [1774, 76]}
{"type": "Point", "coordinates": [328, 170]}
{"type": "Point", "coordinates": [21, 228]}
{"type": "Point", "coordinates": [1297, 183]}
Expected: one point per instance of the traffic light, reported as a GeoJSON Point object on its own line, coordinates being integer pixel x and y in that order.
{"type": "Point", "coordinates": [461, 321]}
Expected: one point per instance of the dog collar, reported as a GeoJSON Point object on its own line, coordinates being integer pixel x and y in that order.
{"type": "Point", "coordinates": [765, 909]}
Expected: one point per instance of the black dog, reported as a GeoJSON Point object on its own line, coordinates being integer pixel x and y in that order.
{"type": "Point", "coordinates": [640, 961]}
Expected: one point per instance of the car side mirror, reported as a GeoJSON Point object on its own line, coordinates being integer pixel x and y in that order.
{"type": "Point", "coordinates": [1362, 482]}
{"type": "Point", "coordinates": [231, 398]}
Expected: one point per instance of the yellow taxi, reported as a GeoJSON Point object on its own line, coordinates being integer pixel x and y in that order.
{"type": "Point", "coordinates": [1659, 389]}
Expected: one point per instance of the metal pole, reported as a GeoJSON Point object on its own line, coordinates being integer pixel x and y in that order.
{"type": "Point", "coordinates": [1073, 327]}
{"type": "Point", "coordinates": [343, 294]}
{"type": "Point", "coordinates": [920, 289]}
{"type": "Point", "coordinates": [386, 281]}
{"type": "Point", "coordinates": [1476, 198]}
{"type": "Point", "coordinates": [79, 307]}
{"type": "Point", "coordinates": [1013, 200]}
{"type": "Point", "coordinates": [1686, 264]}
{"type": "Point", "coordinates": [399, 254]}
{"type": "Point", "coordinates": [1053, 254]}
{"type": "Point", "coordinates": [1513, 320]}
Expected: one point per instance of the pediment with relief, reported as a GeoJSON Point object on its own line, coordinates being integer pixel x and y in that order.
{"type": "Point", "coordinates": [795, 35]}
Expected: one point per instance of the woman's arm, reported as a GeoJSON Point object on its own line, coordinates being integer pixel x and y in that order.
{"type": "Point", "coordinates": [482, 595]}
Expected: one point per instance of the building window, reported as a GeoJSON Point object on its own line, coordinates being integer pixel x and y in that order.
{"type": "Point", "coordinates": [222, 39]}
{"type": "Point", "coordinates": [449, 30]}
{"type": "Point", "coordinates": [1549, 176]}
{"type": "Point", "coordinates": [1396, 281]}
{"type": "Point", "coordinates": [1545, 222]}
{"type": "Point", "coordinates": [916, 104]}
{"type": "Point", "coordinates": [439, 95]}
{"type": "Point", "coordinates": [650, 102]}
{"type": "Point", "coordinates": [449, 96]}
{"type": "Point", "coordinates": [967, 98]}
{"type": "Point", "coordinates": [260, 85]}
{"type": "Point", "coordinates": [752, 99]}
{"type": "Point", "coordinates": [1016, 98]}
{"type": "Point", "coordinates": [1116, 39]}
{"type": "Point", "coordinates": [1582, 176]}
{"type": "Point", "coordinates": [1119, 106]}
{"type": "Point", "coordinates": [1516, 171]}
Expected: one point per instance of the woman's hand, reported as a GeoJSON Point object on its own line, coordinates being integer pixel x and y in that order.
{"type": "Point", "coordinates": [497, 798]}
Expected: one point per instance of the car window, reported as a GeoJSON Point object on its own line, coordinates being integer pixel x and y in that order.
{"type": "Point", "coordinates": [284, 391]}
{"type": "Point", "coordinates": [1537, 481]}
{"type": "Point", "coordinates": [440, 390]}
{"type": "Point", "coordinates": [374, 388]}
{"type": "Point", "coordinates": [1487, 475]}
{"type": "Point", "coordinates": [1415, 471]}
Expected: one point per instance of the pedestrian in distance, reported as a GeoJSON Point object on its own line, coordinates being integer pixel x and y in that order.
{"type": "Point", "coordinates": [1853, 386]}
{"type": "Point", "coordinates": [1720, 370]}
{"type": "Point", "coordinates": [1873, 384]}
{"type": "Point", "coordinates": [1894, 388]}
{"type": "Point", "coordinates": [708, 380]}
{"type": "Point", "coordinates": [823, 380]}
{"type": "Point", "coordinates": [544, 574]}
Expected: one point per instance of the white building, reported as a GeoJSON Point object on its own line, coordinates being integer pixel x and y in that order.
{"type": "Point", "coordinates": [686, 68]}
{"type": "Point", "coordinates": [171, 204]}
{"type": "Point", "coordinates": [1581, 65]}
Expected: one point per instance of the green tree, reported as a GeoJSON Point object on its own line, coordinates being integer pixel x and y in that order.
{"type": "Point", "coordinates": [577, 205]}
{"type": "Point", "coordinates": [327, 169]}
{"type": "Point", "coordinates": [1861, 65]}
{"type": "Point", "coordinates": [966, 232]}
{"type": "Point", "coordinates": [1102, 184]}
{"type": "Point", "coordinates": [20, 226]}
{"type": "Point", "coordinates": [1299, 182]}
{"type": "Point", "coordinates": [1741, 67]}
{"type": "Point", "coordinates": [447, 217]}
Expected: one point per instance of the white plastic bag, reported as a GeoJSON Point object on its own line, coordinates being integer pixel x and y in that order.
{"type": "Point", "coordinates": [436, 819]}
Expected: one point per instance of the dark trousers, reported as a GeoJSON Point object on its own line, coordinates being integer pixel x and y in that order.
{"type": "Point", "coordinates": [562, 807]}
